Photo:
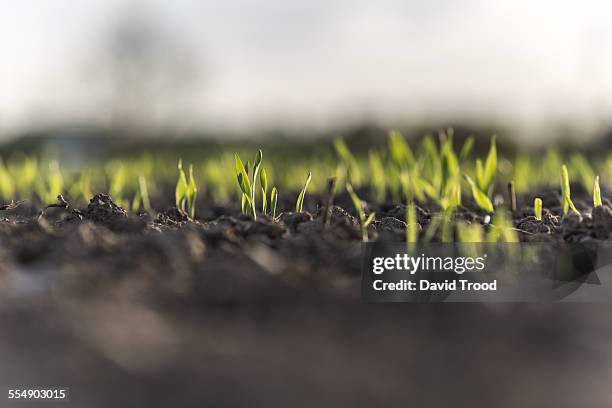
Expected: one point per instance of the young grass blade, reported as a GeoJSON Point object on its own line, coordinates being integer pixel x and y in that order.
{"type": "Point", "coordinates": [467, 148]}
{"type": "Point", "coordinates": [480, 178]}
{"type": "Point", "coordinates": [263, 182]}
{"type": "Point", "coordinates": [7, 186]}
{"type": "Point", "coordinates": [348, 160]}
{"type": "Point", "coordinates": [363, 220]}
{"type": "Point", "coordinates": [596, 193]}
{"type": "Point", "coordinates": [243, 182]}
{"type": "Point", "coordinates": [300, 201]}
{"type": "Point", "coordinates": [192, 192]}
{"type": "Point", "coordinates": [565, 192]}
{"type": "Point", "coordinates": [377, 175]}
{"type": "Point", "coordinates": [400, 151]}
{"type": "Point", "coordinates": [144, 194]}
{"type": "Point", "coordinates": [537, 208]}
{"type": "Point", "coordinates": [273, 200]}
{"type": "Point", "coordinates": [412, 226]}
{"type": "Point", "coordinates": [256, 166]}
{"type": "Point", "coordinates": [490, 167]}
{"type": "Point", "coordinates": [432, 228]}
{"type": "Point", "coordinates": [480, 198]}
{"type": "Point", "coordinates": [180, 193]}
{"type": "Point", "coordinates": [356, 201]}
{"type": "Point", "coordinates": [368, 220]}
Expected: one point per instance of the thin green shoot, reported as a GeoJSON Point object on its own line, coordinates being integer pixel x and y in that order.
{"type": "Point", "coordinates": [300, 200]}
{"type": "Point", "coordinates": [351, 166]}
{"type": "Point", "coordinates": [263, 182]}
{"type": "Point", "coordinates": [412, 225]}
{"type": "Point", "coordinates": [364, 221]}
{"type": "Point", "coordinates": [565, 192]}
{"type": "Point", "coordinates": [481, 199]}
{"type": "Point", "coordinates": [245, 187]}
{"type": "Point", "coordinates": [180, 192]}
{"type": "Point", "coordinates": [537, 208]}
{"type": "Point", "coordinates": [597, 193]}
{"type": "Point", "coordinates": [467, 148]}
{"type": "Point", "coordinates": [400, 151]}
{"type": "Point", "coordinates": [192, 192]}
{"type": "Point", "coordinates": [273, 201]}
{"type": "Point", "coordinates": [144, 193]}
{"type": "Point", "coordinates": [485, 174]}
{"type": "Point", "coordinates": [377, 175]}
{"type": "Point", "coordinates": [7, 186]}
{"type": "Point", "coordinates": [501, 229]}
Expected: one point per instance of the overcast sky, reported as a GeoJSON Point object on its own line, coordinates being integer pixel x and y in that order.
{"type": "Point", "coordinates": [315, 63]}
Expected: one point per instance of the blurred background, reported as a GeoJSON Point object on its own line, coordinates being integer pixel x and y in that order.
{"type": "Point", "coordinates": [529, 70]}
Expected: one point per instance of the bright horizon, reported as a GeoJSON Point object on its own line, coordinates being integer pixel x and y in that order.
{"type": "Point", "coordinates": [237, 65]}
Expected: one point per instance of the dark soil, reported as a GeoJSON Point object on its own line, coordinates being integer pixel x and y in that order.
{"type": "Point", "coordinates": [156, 311]}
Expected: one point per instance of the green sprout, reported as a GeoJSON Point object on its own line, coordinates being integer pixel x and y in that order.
{"type": "Point", "coordinates": [467, 148]}
{"type": "Point", "coordinates": [248, 186]}
{"type": "Point", "coordinates": [363, 219]}
{"type": "Point", "coordinates": [377, 175]}
{"type": "Point", "coordinates": [186, 192]}
{"type": "Point", "coordinates": [400, 151]}
{"type": "Point", "coordinates": [55, 183]}
{"type": "Point", "coordinates": [144, 193]}
{"type": "Point", "coordinates": [82, 188]}
{"type": "Point", "coordinates": [565, 192]}
{"type": "Point", "coordinates": [469, 233]}
{"type": "Point", "coordinates": [501, 229]}
{"type": "Point", "coordinates": [348, 161]}
{"type": "Point", "coordinates": [412, 226]}
{"type": "Point", "coordinates": [480, 198]}
{"type": "Point", "coordinates": [485, 175]}
{"type": "Point", "coordinates": [117, 184]}
{"type": "Point", "coordinates": [300, 200]}
{"type": "Point", "coordinates": [263, 182]}
{"type": "Point", "coordinates": [273, 200]}
{"type": "Point", "coordinates": [596, 193]}
{"type": "Point", "coordinates": [537, 208]}
{"type": "Point", "coordinates": [7, 186]}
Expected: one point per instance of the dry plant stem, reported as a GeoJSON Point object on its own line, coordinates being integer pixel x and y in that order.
{"type": "Point", "coordinates": [329, 202]}
{"type": "Point", "coordinates": [512, 195]}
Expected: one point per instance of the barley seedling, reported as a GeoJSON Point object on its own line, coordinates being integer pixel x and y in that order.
{"type": "Point", "coordinates": [537, 208]}
{"type": "Point", "coordinates": [117, 184]}
{"type": "Point", "coordinates": [55, 183]}
{"type": "Point", "coordinates": [581, 167]}
{"type": "Point", "coordinates": [248, 193]}
{"type": "Point", "coordinates": [7, 187]}
{"type": "Point", "coordinates": [469, 233]}
{"type": "Point", "coordinates": [263, 182]}
{"type": "Point", "coordinates": [485, 175]}
{"type": "Point", "coordinates": [273, 201]}
{"type": "Point", "coordinates": [400, 151]}
{"type": "Point", "coordinates": [412, 226]}
{"type": "Point", "coordinates": [467, 148]}
{"type": "Point", "coordinates": [364, 221]}
{"type": "Point", "coordinates": [501, 229]}
{"type": "Point", "coordinates": [565, 192]}
{"type": "Point", "coordinates": [186, 191]}
{"type": "Point", "coordinates": [377, 175]}
{"type": "Point", "coordinates": [481, 199]}
{"type": "Point", "coordinates": [300, 200]}
{"type": "Point", "coordinates": [596, 193]}
{"type": "Point", "coordinates": [144, 193]}
{"type": "Point", "coordinates": [350, 164]}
